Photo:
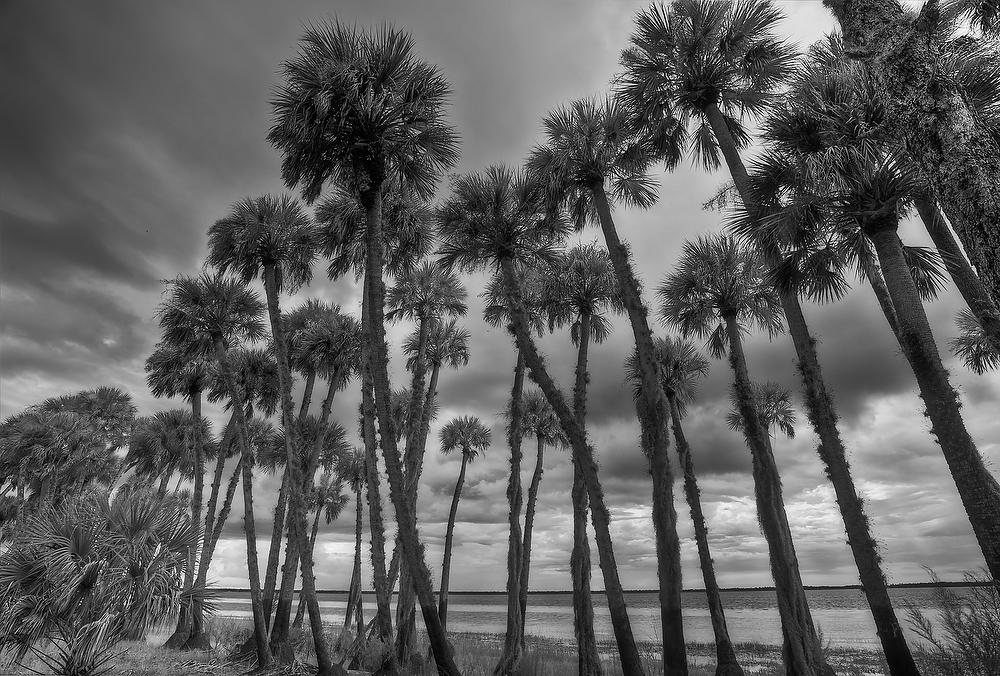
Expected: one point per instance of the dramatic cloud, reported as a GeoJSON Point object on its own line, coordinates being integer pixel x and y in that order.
{"type": "Point", "coordinates": [127, 129]}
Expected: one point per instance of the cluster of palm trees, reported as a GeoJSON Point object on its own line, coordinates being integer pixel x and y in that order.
{"type": "Point", "coordinates": [901, 113]}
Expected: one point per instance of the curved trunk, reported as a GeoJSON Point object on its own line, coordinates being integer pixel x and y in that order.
{"type": "Point", "coordinates": [584, 454]}
{"type": "Point", "coordinates": [513, 647]}
{"type": "Point", "coordinates": [802, 651]}
{"type": "Point", "coordinates": [409, 539]}
{"type": "Point", "coordinates": [274, 549]}
{"type": "Point", "coordinates": [529, 523]}
{"type": "Point", "coordinates": [930, 118]}
{"type": "Point", "coordinates": [962, 273]}
{"type": "Point", "coordinates": [978, 489]}
{"type": "Point", "coordinates": [653, 415]}
{"type": "Point", "coordinates": [246, 465]}
{"type": "Point", "coordinates": [725, 655]}
{"type": "Point", "coordinates": [297, 518]}
{"type": "Point", "coordinates": [588, 658]}
{"type": "Point", "coordinates": [831, 449]}
{"type": "Point", "coordinates": [446, 566]}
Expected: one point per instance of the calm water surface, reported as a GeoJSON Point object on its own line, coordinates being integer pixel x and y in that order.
{"type": "Point", "coordinates": [752, 615]}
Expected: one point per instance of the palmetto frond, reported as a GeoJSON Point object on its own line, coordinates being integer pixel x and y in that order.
{"type": "Point", "coordinates": [773, 405]}
{"type": "Point", "coordinates": [497, 310]}
{"type": "Point", "coordinates": [427, 292]}
{"type": "Point", "coordinates": [256, 372]}
{"type": "Point", "coordinates": [447, 345]}
{"type": "Point", "coordinates": [199, 309]}
{"type": "Point", "coordinates": [352, 468]}
{"type": "Point", "coordinates": [539, 420]}
{"type": "Point", "coordinates": [466, 434]}
{"type": "Point", "coordinates": [972, 345]}
{"type": "Point", "coordinates": [330, 345]}
{"type": "Point", "coordinates": [583, 282]}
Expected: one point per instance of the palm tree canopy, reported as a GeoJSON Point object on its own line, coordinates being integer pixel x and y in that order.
{"type": "Point", "coordinates": [972, 346]}
{"type": "Point", "coordinates": [163, 442]}
{"type": "Point", "coordinates": [171, 373]}
{"type": "Point", "coordinates": [539, 420]}
{"type": "Point", "coordinates": [447, 345]}
{"type": "Point", "coordinates": [496, 311]}
{"type": "Point", "coordinates": [773, 405]}
{"type": "Point", "coordinates": [701, 53]}
{"type": "Point", "coordinates": [718, 277]}
{"type": "Point", "coordinates": [331, 346]}
{"type": "Point", "coordinates": [352, 468]}
{"type": "Point", "coordinates": [200, 309]}
{"type": "Point", "coordinates": [593, 143]}
{"type": "Point", "coordinates": [357, 106]}
{"type": "Point", "coordinates": [262, 231]}
{"type": "Point", "coordinates": [328, 495]}
{"type": "Point", "coordinates": [427, 292]}
{"type": "Point", "coordinates": [494, 215]}
{"type": "Point", "coordinates": [256, 372]}
{"type": "Point", "coordinates": [582, 283]}
{"type": "Point", "coordinates": [407, 231]}
{"type": "Point", "coordinates": [466, 434]}
{"type": "Point", "coordinates": [681, 367]}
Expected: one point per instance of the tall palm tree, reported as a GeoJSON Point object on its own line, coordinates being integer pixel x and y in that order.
{"type": "Point", "coordinates": [468, 435]}
{"type": "Point", "coordinates": [273, 238]}
{"type": "Point", "coordinates": [499, 218]}
{"type": "Point", "coordinates": [350, 89]}
{"type": "Point", "coordinates": [681, 367]}
{"type": "Point", "coordinates": [580, 294]}
{"type": "Point", "coordinates": [718, 291]}
{"type": "Point", "coordinates": [209, 314]}
{"type": "Point", "coordinates": [352, 470]}
{"type": "Point", "coordinates": [447, 346]}
{"type": "Point", "coordinates": [594, 154]}
{"type": "Point", "coordinates": [427, 294]}
{"type": "Point", "coordinates": [693, 74]}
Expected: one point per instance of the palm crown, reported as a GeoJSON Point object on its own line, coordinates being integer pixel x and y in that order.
{"type": "Point", "coordinates": [358, 106]}
{"type": "Point", "coordinates": [447, 345]}
{"type": "Point", "coordinates": [427, 292]}
{"type": "Point", "coordinates": [773, 405]}
{"type": "Point", "coordinates": [681, 367]}
{"type": "Point", "coordinates": [538, 418]}
{"type": "Point", "coordinates": [201, 309]}
{"type": "Point", "coordinates": [718, 277]}
{"type": "Point", "coordinates": [583, 283]}
{"type": "Point", "coordinates": [171, 373]}
{"type": "Point", "coordinates": [256, 373]}
{"type": "Point", "coordinates": [331, 345]}
{"type": "Point", "coordinates": [466, 434]}
{"type": "Point", "coordinates": [496, 311]}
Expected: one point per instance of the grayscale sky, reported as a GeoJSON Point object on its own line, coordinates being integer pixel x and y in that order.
{"type": "Point", "coordinates": [128, 128]}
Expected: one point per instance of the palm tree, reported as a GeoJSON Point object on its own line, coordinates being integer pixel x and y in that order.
{"type": "Point", "coordinates": [594, 154]}
{"type": "Point", "coordinates": [972, 345]}
{"type": "Point", "coordinates": [160, 446]}
{"type": "Point", "coordinates": [500, 218]}
{"type": "Point", "coordinates": [352, 470]}
{"type": "Point", "coordinates": [580, 294]}
{"type": "Point", "coordinates": [351, 89]}
{"type": "Point", "coordinates": [327, 500]}
{"type": "Point", "coordinates": [693, 74]}
{"type": "Point", "coordinates": [468, 435]}
{"type": "Point", "coordinates": [301, 359]}
{"type": "Point", "coordinates": [208, 314]}
{"type": "Point", "coordinates": [773, 405]}
{"type": "Point", "coordinates": [273, 238]}
{"type": "Point", "coordinates": [447, 346]}
{"type": "Point", "coordinates": [717, 291]}
{"type": "Point", "coordinates": [681, 367]}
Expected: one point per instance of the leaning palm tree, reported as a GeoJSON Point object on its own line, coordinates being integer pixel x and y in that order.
{"type": "Point", "coordinates": [468, 435]}
{"type": "Point", "coordinates": [580, 294]}
{"type": "Point", "coordinates": [718, 292]}
{"type": "Point", "coordinates": [348, 89]}
{"type": "Point", "coordinates": [694, 74]}
{"type": "Point", "coordinates": [447, 346]}
{"type": "Point", "coordinates": [681, 367]}
{"type": "Point", "coordinates": [594, 154]}
{"type": "Point", "coordinates": [499, 218]}
{"type": "Point", "coordinates": [208, 315]}
{"type": "Point", "coordinates": [273, 238]}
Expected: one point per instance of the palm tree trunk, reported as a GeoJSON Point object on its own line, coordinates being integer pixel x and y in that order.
{"type": "Point", "coordinates": [978, 489]}
{"type": "Point", "coordinates": [307, 394]}
{"type": "Point", "coordinates": [297, 526]}
{"type": "Point", "coordinates": [356, 575]}
{"type": "Point", "coordinates": [510, 660]}
{"type": "Point", "coordinates": [831, 449]}
{"type": "Point", "coordinates": [725, 655]}
{"type": "Point", "coordinates": [161, 491]}
{"type": "Point", "coordinates": [930, 117]}
{"type": "Point", "coordinates": [246, 463]}
{"type": "Point", "coordinates": [653, 415]}
{"type": "Point", "coordinates": [300, 612]}
{"type": "Point", "coordinates": [383, 588]}
{"type": "Point", "coordinates": [584, 454]}
{"type": "Point", "coordinates": [409, 539]}
{"type": "Point", "coordinates": [220, 522]}
{"type": "Point", "coordinates": [529, 524]}
{"type": "Point", "coordinates": [446, 566]}
{"type": "Point", "coordinates": [588, 658]}
{"type": "Point", "coordinates": [197, 640]}
{"type": "Point", "coordinates": [802, 651]}
{"type": "Point", "coordinates": [274, 549]}
{"type": "Point", "coordinates": [961, 271]}
{"type": "Point", "coordinates": [220, 467]}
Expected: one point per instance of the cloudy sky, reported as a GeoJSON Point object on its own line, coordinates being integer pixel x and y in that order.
{"type": "Point", "coordinates": [127, 129]}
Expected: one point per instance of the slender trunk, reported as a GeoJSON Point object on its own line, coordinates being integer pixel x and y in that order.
{"type": "Point", "coordinates": [962, 273]}
{"type": "Point", "coordinates": [529, 524]}
{"type": "Point", "coordinates": [802, 650]}
{"type": "Point", "coordinates": [513, 648]}
{"type": "Point", "coordinates": [274, 549]}
{"type": "Point", "coordinates": [297, 527]}
{"type": "Point", "coordinates": [253, 569]}
{"type": "Point", "coordinates": [220, 468]}
{"type": "Point", "coordinates": [978, 489]}
{"type": "Point", "coordinates": [831, 449]}
{"type": "Point", "coordinates": [197, 639]}
{"type": "Point", "coordinates": [383, 588]}
{"type": "Point", "coordinates": [300, 612]}
{"type": "Point", "coordinates": [725, 655]}
{"type": "Point", "coordinates": [161, 491]}
{"type": "Point", "coordinates": [588, 658]}
{"type": "Point", "coordinates": [220, 522]}
{"type": "Point", "coordinates": [929, 116]}
{"type": "Point", "coordinates": [446, 566]}
{"type": "Point", "coordinates": [425, 418]}
{"type": "Point", "coordinates": [653, 416]}
{"type": "Point", "coordinates": [307, 394]}
{"type": "Point", "coordinates": [584, 454]}
{"type": "Point", "coordinates": [356, 575]}
{"type": "Point", "coordinates": [413, 555]}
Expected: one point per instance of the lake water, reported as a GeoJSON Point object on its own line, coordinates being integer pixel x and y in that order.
{"type": "Point", "coordinates": [752, 616]}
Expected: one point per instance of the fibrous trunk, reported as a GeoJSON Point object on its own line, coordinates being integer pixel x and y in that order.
{"type": "Point", "coordinates": [529, 524]}
{"type": "Point", "coordinates": [449, 533]}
